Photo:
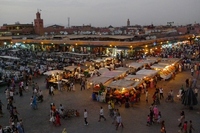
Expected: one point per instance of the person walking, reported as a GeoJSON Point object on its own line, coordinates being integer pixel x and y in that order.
{"type": "Point", "coordinates": [119, 121]}
{"type": "Point", "coordinates": [163, 130]}
{"type": "Point", "coordinates": [190, 126]}
{"type": "Point", "coordinates": [114, 115]}
{"type": "Point", "coordinates": [110, 110]}
{"type": "Point", "coordinates": [184, 127]}
{"type": "Point", "coordinates": [161, 93]}
{"type": "Point", "coordinates": [101, 115]}
{"type": "Point", "coordinates": [181, 119]}
{"type": "Point", "coordinates": [85, 117]}
{"type": "Point", "coordinates": [52, 89]}
{"type": "Point", "coordinates": [146, 96]}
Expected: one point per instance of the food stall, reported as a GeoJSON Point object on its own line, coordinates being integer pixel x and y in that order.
{"type": "Point", "coordinates": [121, 90]}
{"type": "Point", "coordinates": [98, 86]}
{"type": "Point", "coordinates": [149, 74]}
{"type": "Point", "coordinates": [54, 77]}
{"type": "Point", "coordinates": [114, 74]}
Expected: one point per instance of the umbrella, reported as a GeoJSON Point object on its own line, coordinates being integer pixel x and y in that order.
{"type": "Point", "coordinates": [189, 98]}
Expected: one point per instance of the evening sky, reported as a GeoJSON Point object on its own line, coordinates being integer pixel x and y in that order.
{"type": "Point", "coordinates": [101, 13]}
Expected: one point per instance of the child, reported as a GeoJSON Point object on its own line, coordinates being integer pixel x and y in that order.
{"type": "Point", "coordinates": [148, 120]}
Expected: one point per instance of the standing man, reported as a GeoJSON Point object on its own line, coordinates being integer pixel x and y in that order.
{"type": "Point", "coordinates": [85, 117]}
{"type": "Point", "coordinates": [101, 115]}
{"type": "Point", "coordinates": [161, 93]}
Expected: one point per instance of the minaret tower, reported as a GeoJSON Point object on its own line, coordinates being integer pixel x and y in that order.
{"type": "Point", "coordinates": [128, 22]}
{"type": "Point", "coordinates": [38, 22]}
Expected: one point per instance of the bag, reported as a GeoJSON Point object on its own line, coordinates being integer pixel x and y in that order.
{"type": "Point", "coordinates": [52, 119]}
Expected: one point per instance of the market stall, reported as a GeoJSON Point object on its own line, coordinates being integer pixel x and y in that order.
{"type": "Point", "coordinates": [103, 70]}
{"type": "Point", "coordinates": [114, 74]}
{"type": "Point", "coordinates": [136, 65]}
{"type": "Point", "coordinates": [54, 77]}
{"type": "Point", "coordinates": [149, 73]}
{"type": "Point", "coordinates": [95, 82]}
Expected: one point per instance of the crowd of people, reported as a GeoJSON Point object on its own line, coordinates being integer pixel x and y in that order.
{"type": "Point", "coordinates": [56, 113]}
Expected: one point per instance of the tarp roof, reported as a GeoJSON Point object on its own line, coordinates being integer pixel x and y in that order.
{"type": "Point", "coordinates": [124, 69]}
{"type": "Point", "coordinates": [131, 77]}
{"type": "Point", "coordinates": [10, 57]}
{"type": "Point", "coordinates": [103, 70]}
{"type": "Point", "coordinates": [70, 68]}
{"type": "Point", "coordinates": [119, 84]}
{"type": "Point", "coordinates": [100, 79]}
{"type": "Point", "coordinates": [53, 72]}
{"type": "Point", "coordinates": [159, 66]}
{"type": "Point", "coordinates": [147, 72]}
{"type": "Point", "coordinates": [136, 65]}
{"type": "Point", "coordinates": [113, 74]}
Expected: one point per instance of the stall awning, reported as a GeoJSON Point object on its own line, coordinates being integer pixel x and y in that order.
{"type": "Point", "coordinates": [158, 66]}
{"type": "Point", "coordinates": [98, 60]}
{"type": "Point", "coordinates": [121, 84]}
{"type": "Point", "coordinates": [136, 65]}
{"type": "Point", "coordinates": [103, 70]}
{"type": "Point", "coordinates": [124, 69]}
{"type": "Point", "coordinates": [10, 57]}
{"type": "Point", "coordinates": [147, 61]}
{"type": "Point", "coordinates": [113, 74]}
{"type": "Point", "coordinates": [148, 73]}
{"type": "Point", "coordinates": [53, 72]}
{"type": "Point", "coordinates": [100, 79]}
{"type": "Point", "coordinates": [132, 77]}
{"type": "Point", "coordinates": [70, 68]}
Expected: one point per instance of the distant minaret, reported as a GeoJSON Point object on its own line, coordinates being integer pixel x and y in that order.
{"type": "Point", "coordinates": [38, 22]}
{"type": "Point", "coordinates": [128, 22]}
{"type": "Point", "coordinates": [68, 21]}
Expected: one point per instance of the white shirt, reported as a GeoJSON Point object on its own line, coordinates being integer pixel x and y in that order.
{"type": "Point", "coordinates": [85, 114]}
{"type": "Point", "coordinates": [52, 88]}
{"type": "Point", "coordinates": [11, 93]}
{"type": "Point", "coordinates": [109, 106]}
{"type": "Point", "coordinates": [119, 119]}
{"type": "Point", "coordinates": [101, 111]}
{"type": "Point", "coordinates": [161, 90]}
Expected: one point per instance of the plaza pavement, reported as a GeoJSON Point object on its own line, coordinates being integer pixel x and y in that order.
{"type": "Point", "coordinates": [134, 119]}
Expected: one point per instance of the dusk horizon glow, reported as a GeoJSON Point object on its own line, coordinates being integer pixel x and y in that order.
{"type": "Point", "coordinates": [101, 13]}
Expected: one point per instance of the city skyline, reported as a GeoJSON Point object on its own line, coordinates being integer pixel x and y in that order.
{"type": "Point", "coordinates": [101, 13]}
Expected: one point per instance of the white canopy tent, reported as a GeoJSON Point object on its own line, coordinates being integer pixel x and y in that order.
{"type": "Point", "coordinates": [98, 60]}
{"type": "Point", "coordinates": [119, 84]}
{"type": "Point", "coordinates": [158, 66]}
{"type": "Point", "coordinates": [113, 74]}
{"type": "Point", "coordinates": [70, 68]}
{"type": "Point", "coordinates": [149, 73]}
{"type": "Point", "coordinates": [149, 62]}
{"type": "Point", "coordinates": [10, 57]}
{"type": "Point", "coordinates": [125, 69]}
{"type": "Point", "coordinates": [53, 72]}
{"type": "Point", "coordinates": [103, 70]}
{"type": "Point", "coordinates": [132, 77]}
{"type": "Point", "coordinates": [136, 65]}
{"type": "Point", "coordinates": [100, 79]}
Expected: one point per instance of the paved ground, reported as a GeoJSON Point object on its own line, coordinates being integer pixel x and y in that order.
{"type": "Point", "coordinates": [134, 119]}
